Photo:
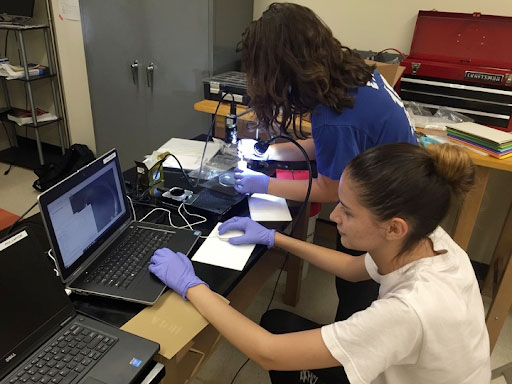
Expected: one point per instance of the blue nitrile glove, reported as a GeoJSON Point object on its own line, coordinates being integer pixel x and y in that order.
{"type": "Point", "coordinates": [175, 270]}
{"type": "Point", "coordinates": [254, 233]}
{"type": "Point", "coordinates": [248, 181]}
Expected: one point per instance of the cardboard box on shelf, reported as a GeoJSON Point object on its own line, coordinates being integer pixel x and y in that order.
{"type": "Point", "coordinates": [391, 72]}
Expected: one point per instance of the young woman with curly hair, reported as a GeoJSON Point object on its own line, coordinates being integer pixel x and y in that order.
{"type": "Point", "coordinates": [428, 324]}
{"type": "Point", "coordinates": [295, 67]}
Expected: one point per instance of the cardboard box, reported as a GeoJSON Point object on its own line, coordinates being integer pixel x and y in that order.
{"type": "Point", "coordinates": [391, 72]}
{"type": "Point", "coordinates": [184, 335]}
{"type": "Point", "coordinates": [186, 338]}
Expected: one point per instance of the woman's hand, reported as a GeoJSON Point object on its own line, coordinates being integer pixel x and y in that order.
{"type": "Point", "coordinates": [248, 181]}
{"type": "Point", "coordinates": [175, 270]}
{"type": "Point", "coordinates": [254, 233]}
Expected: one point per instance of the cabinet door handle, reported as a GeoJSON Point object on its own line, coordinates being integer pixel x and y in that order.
{"type": "Point", "coordinates": [150, 72]}
{"type": "Point", "coordinates": [135, 71]}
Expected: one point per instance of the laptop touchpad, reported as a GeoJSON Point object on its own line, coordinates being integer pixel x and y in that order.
{"type": "Point", "coordinates": [92, 380]}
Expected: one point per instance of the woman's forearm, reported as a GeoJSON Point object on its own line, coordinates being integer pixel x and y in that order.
{"type": "Point", "coordinates": [351, 268]}
{"type": "Point", "coordinates": [289, 151]}
{"type": "Point", "coordinates": [296, 190]}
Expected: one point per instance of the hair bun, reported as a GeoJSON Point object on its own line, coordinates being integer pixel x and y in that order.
{"type": "Point", "coordinates": [454, 165]}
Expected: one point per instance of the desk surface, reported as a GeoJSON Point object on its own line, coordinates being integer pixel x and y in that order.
{"type": "Point", "coordinates": [209, 106]}
{"type": "Point", "coordinates": [220, 280]}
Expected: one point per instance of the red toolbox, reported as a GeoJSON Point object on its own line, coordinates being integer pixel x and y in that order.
{"type": "Point", "coordinates": [462, 62]}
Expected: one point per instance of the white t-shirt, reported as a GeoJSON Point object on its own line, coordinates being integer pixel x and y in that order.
{"type": "Point", "coordinates": [427, 326]}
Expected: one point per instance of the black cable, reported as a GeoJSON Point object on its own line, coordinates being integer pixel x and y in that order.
{"type": "Point", "coordinates": [301, 209]}
{"type": "Point", "coordinates": [239, 369]}
{"type": "Point", "coordinates": [310, 180]}
{"type": "Point", "coordinates": [277, 281]}
{"type": "Point", "coordinates": [20, 218]}
{"type": "Point", "coordinates": [208, 136]}
{"type": "Point", "coordinates": [7, 133]}
{"type": "Point", "coordinates": [268, 307]}
{"type": "Point", "coordinates": [6, 41]}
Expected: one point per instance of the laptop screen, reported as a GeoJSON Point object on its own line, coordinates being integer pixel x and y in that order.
{"type": "Point", "coordinates": [82, 211]}
{"type": "Point", "coordinates": [33, 299]}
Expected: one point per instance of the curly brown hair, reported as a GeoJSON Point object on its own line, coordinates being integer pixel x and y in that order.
{"type": "Point", "coordinates": [294, 63]}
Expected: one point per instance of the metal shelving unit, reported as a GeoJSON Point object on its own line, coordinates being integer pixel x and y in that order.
{"type": "Point", "coordinates": [28, 80]}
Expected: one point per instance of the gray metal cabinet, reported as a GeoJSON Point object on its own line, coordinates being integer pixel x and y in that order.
{"type": "Point", "coordinates": [145, 62]}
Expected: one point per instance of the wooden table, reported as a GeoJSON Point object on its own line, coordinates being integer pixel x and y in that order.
{"type": "Point", "coordinates": [498, 283]}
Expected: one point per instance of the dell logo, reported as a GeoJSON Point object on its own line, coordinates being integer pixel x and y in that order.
{"type": "Point", "coordinates": [9, 358]}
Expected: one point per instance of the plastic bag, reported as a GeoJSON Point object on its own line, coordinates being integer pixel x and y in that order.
{"type": "Point", "coordinates": [223, 161]}
{"type": "Point", "coordinates": [423, 116]}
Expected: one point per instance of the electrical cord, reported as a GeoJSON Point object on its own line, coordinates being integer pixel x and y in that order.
{"type": "Point", "coordinates": [390, 49]}
{"type": "Point", "coordinates": [6, 41]}
{"type": "Point", "coordinates": [133, 209]}
{"type": "Point", "coordinates": [56, 269]}
{"type": "Point", "coordinates": [10, 146]}
{"type": "Point", "coordinates": [310, 179]}
{"type": "Point", "coordinates": [20, 218]}
{"type": "Point", "coordinates": [301, 209]}
{"type": "Point", "coordinates": [187, 225]}
{"type": "Point", "coordinates": [208, 136]}
{"type": "Point", "coordinates": [268, 307]}
{"type": "Point", "coordinates": [239, 369]}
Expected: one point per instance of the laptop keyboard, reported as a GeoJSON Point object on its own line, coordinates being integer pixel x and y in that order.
{"type": "Point", "coordinates": [122, 265]}
{"type": "Point", "coordinates": [73, 352]}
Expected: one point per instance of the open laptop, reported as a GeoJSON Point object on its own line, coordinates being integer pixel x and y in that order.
{"type": "Point", "coordinates": [98, 246]}
{"type": "Point", "coordinates": [44, 340]}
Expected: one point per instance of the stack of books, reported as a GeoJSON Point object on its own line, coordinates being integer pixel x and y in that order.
{"type": "Point", "coordinates": [23, 116]}
{"type": "Point", "coordinates": [492, 141]}
{"type": "Point", "coordinates": [11, 72]}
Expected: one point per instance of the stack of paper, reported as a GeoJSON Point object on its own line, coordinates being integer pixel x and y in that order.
{"type": "Point", "coordinates": [492, 141]}
{"type": "Point", "coordinates": [188, 152]}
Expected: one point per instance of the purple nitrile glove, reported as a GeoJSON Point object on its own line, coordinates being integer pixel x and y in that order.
{"type": "Point", "coordinates": [255, 233]}
{"type": "Point", "coordinates": [248, 181]}
{"type": "Point", "coordinates": [175, 270]}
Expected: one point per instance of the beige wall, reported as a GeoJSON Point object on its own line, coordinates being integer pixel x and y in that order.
{"type": "Point", "coordinates": [375, 25]}
{"type": "Point", "coordinates": [71, 56]}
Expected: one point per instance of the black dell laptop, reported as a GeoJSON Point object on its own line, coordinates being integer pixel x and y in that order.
{"type": "Point", "coordinates": [43, 339]}
{"type": "Point", "coordinates": [98, 246]}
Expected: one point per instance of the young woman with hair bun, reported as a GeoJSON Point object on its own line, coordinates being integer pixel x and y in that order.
{"type": "Point", "coordinates": [427, 326]}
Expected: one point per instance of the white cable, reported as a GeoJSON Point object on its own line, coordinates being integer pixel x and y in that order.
{"type": "Point", "coordinates": [195, 215]}
{"type": "Point", "coordinates": [202, 218]}
{"type": "Point", "coordinates": [183, 217]}
{"type": "Point", "coordinates": [133, 209]}
{"type": "Point", "coordinates": [188, 225]}
{"type": "Point", "coordinates": [169, 217]}
{"type": "Point", "coordinates": [154, 210]}
{"type": "Point", "coordinates": [56, 269]}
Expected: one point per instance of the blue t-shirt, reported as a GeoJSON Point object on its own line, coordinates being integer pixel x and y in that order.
{"type": "Point", "coordinates": [377, 117]}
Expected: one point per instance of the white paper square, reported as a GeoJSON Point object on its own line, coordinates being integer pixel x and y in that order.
{"type": "Point", "coordinates": [265, 207]}
{"type": "Point", "coordinates": [218, 251]}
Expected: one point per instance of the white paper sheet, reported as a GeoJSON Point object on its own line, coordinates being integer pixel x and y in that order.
{"type": "Point", "coordinates": [188, 152]}
{"type": "Point", "coordinates": [218, 251]}
{"type": "Point", "coordinates": [69, 9]}
{"type": "Point", "coordinates": [265, 207]}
